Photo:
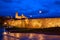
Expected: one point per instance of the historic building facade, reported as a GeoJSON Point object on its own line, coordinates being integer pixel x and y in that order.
{"type": "Point", "coordinates": [23, 22]}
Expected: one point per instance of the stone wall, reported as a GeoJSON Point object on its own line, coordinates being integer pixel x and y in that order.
{"type": "Point", "coordinates": [35, 23]}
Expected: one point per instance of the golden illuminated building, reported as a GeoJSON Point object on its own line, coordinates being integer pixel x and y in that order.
{"type": "Point", "coordinates": [19, 17]}
{"type": "Point", "coordinates": [24, 22]}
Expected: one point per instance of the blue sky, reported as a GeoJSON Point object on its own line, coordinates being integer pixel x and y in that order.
{"type": "Point", "coordinates": [49, 8]}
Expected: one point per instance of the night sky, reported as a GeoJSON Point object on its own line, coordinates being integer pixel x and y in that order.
{"type": "Point", "coordinates": [36, 8]}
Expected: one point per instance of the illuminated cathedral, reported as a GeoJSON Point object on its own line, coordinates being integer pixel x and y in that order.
{"type": "Point", "coordinates": [24, 22]}
{"type": "Point", "coordinates": [19, 17]}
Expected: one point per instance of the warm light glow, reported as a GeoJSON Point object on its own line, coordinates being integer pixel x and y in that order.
{"type": "Point", "coordinates": [5, 23]}
{"type": "Point", "coordinates": [33, 23]}
{"type": "Point", "coordinates": [4, 33]}
{"type": "Point", "coordinates": [41, 37]}
{"type": "Point", "coordinates": [31, 36]}
{"type": "Point", "coordinates": [19, 17]}
{"type": "Point", "coordinates": [27, 21]}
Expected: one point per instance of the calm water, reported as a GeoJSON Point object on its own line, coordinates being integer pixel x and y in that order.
{"type": "Point", "coordinates": [26, 36]}
{"type": "Point", "coordinates": [29, 36]}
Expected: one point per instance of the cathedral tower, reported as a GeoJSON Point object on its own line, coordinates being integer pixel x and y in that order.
{"type": "Point", "coordinates": [19, 17]}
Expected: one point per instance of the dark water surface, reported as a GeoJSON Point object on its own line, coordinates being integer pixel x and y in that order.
{"type": "Point", "coordinates": [29, 36]}
{"type": "Point", "coordinates": [26, 36]}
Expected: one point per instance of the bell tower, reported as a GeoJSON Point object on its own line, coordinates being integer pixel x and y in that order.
{"type": "Point", "coordinates": [20, 17]}
{"type": "Point", "coordinates": [16, 16]}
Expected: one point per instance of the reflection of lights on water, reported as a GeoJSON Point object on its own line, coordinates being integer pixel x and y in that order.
{"type": "Point", "coordinates": [41, 37]}
{"type": "Point", "coordinates": [36, 36]}
{"type": "Point", "coordinates": [5, 23]}
{"type": "Point", "coordinates": [30, 36]}
{"type": "Point", "coordinates": [4, 33]}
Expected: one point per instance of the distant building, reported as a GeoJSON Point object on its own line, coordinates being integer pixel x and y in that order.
{"type": "Point", "coordinates": [23, 22]}
{"type": "Point", "coordinates": [20, 17]}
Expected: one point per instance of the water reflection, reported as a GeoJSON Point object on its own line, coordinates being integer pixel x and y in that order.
{"type": "Point", "coordinates": [29, 36]}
